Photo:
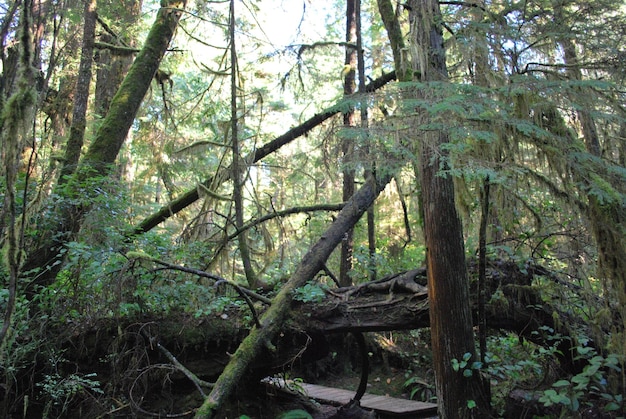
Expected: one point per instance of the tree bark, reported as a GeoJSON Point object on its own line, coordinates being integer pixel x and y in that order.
{"type": "Point", "coordinates": [75, 199]}
{"type": "Point", "coordinates": [81, 95]}
{"type": "Point", "coordinates": [274, 318]}
{"type": "Point", "coordinates": [458, 396]}
{"type": "Point", "coordinates": [347, 144]}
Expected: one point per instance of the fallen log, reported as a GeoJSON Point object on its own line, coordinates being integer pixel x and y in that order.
{"type": "Point", "coordinates": [204, 345]}
{"type": "Point", "coordinates": [272, 321]}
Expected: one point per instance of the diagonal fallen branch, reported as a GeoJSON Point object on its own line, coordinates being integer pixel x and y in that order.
{"type": "Point", "coordinates": [191, 196]}
{"type": "Point", "coordinates": [273, 319]}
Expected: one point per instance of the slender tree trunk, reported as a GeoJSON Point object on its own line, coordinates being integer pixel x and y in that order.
{"type": "Point", "coordinates": [97, 162]}
{"type": "Point", "coordinates": [273, 319]}
{"type": "Point", "coordinates": [237, 167]}
{"type": "Point", "coordinates": [370, 169]}
{"type": "Point", "coordinates": [347, 144]}
{"type": "Point", "coordinates": [81, 94]}
{"type": "Point", "coordinates": [9, 65]}
{"type": "Point", "coordinates": [458, 395]}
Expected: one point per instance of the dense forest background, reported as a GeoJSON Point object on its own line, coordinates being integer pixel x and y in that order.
{"type": "Point", "coordinates": [177, 175]}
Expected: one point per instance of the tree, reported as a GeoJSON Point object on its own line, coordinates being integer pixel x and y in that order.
{"type": "Point", "coordinates": [14, 124]}
{"type": "Point", "coordinates": [448, 284]}
{"type": "Point", "coordinates": [102, 152]}
{"type": "Point", "coordinates": [75, 140]}
{"type": "Point", "coordinates": [347, 144]}
{"type": "Point", "coordinates": [273, 319]}
{"type": "Point", "coordinates": [525, 101]}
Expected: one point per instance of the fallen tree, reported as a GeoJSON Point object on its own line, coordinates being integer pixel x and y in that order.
{"type": "Point", "coordinates": [131, 354]}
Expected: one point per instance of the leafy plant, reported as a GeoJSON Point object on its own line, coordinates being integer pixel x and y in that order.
{"type": "Point", "coordinates": [61, 390]}
{"type": "Point", "coordinates": [465, 366]}
{"type": "Point", "coordinates": [592, 381]}
{"type": "Point", "coordinates": [419, 389]}
{"type": "Point", "coordinates": [310, 293]}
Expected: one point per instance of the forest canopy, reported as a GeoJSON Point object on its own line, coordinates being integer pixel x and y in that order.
{"type": "Point", "coordinates": [179, 176]}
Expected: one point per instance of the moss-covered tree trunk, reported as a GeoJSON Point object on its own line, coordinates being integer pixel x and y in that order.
{"type": "Point", "coordinates": [606, 215]}
{"type": "Point", "coordinates": [74, 198]}
{"type": "Point", "coordinates": [113, 65]}
{"type": "Point", "coordinates": [15, 119]}
{"type": "Point", "coordinates": [273, 319]}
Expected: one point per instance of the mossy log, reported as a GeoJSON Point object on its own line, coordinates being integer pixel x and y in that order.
{"type": "Point", "coordinates": [273, 319]}
{"type": "Point", "coordinates": [204, 345]}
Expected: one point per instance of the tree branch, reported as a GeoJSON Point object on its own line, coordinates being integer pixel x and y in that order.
{"type": "Point", "coordinates": [191, 196]}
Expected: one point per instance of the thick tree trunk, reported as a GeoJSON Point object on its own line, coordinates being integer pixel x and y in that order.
{"type": "Point", "coordinates": [274, 318]}
{"type": "Point", "coordinates": [458, 395]}
{"type": "Point", "coordinates": [64, 223]}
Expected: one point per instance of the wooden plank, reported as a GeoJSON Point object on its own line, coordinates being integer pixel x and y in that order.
{"type": "Point", "coordinates": [339, 397]}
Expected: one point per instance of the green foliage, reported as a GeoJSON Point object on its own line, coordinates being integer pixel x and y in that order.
{"type": "Point", "coordinates": [310, 293]}
{"type": "Point", "coordinates": [420, 389]}
{"type": "Point", "coordinates": [465, 366]}
{"type": "Point", "coordinates": [590, 383]}
{"type": "Point", "coordinates": [21, 343]}
{"type": "Point", "coordinates": [61, 390]}
{"type": "Point", "coordinates": [296, 414]}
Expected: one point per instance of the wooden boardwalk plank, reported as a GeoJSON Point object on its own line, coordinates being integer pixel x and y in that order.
{"type": "Point", "coordinates": [381, 404]}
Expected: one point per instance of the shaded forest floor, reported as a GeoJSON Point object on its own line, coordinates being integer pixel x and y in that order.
{"type": "Point", "coordinates": [134, 366]}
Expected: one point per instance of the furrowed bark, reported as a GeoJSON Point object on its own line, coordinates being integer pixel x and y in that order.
{"type": "Point", "coordinates": [273, 319]}
{"type": "Point", "coordinates": [458, 395]}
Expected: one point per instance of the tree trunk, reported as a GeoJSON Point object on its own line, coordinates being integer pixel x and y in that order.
{"type": "Point", "coordinates": [113, 66]}
{"type": "Point", "coordinates": [347, 144]}
{"type": "Point", "coordinates": [274, 318]}
{"type": "Point", "coordinates": [15, 120]}
{"type": "Point", "coordinates": [606, 217]}
{"type": "Point", "coordinates": [458, 395]}
{"type": "Point", "coordinates": [81, 94]}
{"type": "Point", "coordinates": [64, 223]}
{"type": "Point", "coordinates": [238, 169]}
